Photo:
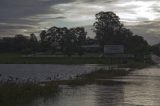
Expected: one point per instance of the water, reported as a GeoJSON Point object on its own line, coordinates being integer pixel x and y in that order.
{"type": "Point", "coordinates": [140, 88]}
{"type": "Point", "coordinates": [44, 72]}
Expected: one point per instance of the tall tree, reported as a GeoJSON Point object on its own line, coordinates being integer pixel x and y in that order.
{"type": "Point", "coordinates": [53, 36]}
{"type": "Point", "coordinates": [109, 30]}
{"type": "Point", "coordinates": [33, 43]}
{"type": "Point", "coordinates": [80, 35]}
{"type": "Point", "coordinates": [20, 43]}
{"type": "Point", "coordinates": [105, 27]}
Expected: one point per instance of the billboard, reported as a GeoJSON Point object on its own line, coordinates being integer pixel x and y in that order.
{"type": "Point", "coordinates": [113, 49]}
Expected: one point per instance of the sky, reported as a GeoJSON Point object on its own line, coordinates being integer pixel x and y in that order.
{"type": "Point", "coordinates": [32, 16]}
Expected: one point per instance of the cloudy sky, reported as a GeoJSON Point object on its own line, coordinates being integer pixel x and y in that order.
{"type": "Point", "coordinates": [28, 16]}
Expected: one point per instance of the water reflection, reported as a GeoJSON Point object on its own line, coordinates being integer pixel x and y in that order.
{"type": "Point", "coordinates": [44, 72]}
{"type": "Point", "coordinates": [147, 89]}
{"type": "Point", "coordinates": [140, 88]}
{"type": "Point", "coordinates": [110, 95]}
{"type": "Point", "coordinates": [89, 95]}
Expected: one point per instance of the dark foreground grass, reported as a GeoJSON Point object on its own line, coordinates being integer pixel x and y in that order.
{"type": "Point", "coordinates": [16, 94]}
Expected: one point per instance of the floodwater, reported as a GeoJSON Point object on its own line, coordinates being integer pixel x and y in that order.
{"type": "Point", "coordinates": [43, 72]}
{"type": "Point", "coordinates": [139, 88]}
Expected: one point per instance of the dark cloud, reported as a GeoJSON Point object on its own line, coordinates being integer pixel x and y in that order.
{"type": "Point", "coordinates": [23, 8]}
{"type": "Point", "coordinates": [14, 13]}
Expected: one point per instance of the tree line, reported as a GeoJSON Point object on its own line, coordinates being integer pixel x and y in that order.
{"type": "Point", "coordinates": [55, 39]}
{"type": "Point", "coordinates": [108, 28]}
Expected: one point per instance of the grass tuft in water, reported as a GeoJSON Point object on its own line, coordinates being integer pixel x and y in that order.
{"type": "Point", "coordinates": [98, 76]}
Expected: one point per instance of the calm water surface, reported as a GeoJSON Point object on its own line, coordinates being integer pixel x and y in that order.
{"type": "Point", "coordinates": [43, 72]}
{"type": "Point", "coordinates": [140, 88]}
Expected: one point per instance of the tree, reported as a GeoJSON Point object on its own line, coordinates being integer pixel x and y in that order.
{"type": "Point", "coordinates": [138, 46]}
{"type": "Point", "coordinates": [106, 26]}
{"type": "Point", "coordinates": [80, 37]}
{"type": "Point", "coordinates": [33, 43]}
{"type": "Point", "coordinates": [63, 39]}
{"type": "Point", "coordinates": [20, 43]}
{"type": "Point", "coordinates": [44, 42]}
{"type": "Point", "coordinates": [50, 39]}
{"type": "Point", "coordinates": [42, 35]}
{"type": "Point", "coordinates": [110, 31]}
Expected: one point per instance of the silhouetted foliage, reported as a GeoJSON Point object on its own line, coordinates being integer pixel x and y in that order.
{"type": "Point", "coordinates": [108, 28]}
{"type": "Point", "coordinates": [156, 49]}
{"type": "Point", "coordinates": [14, 44]}
{"type": "Point", "coordinates": [66, 40]}
{"type": "Point", "coordinates": [80, 38]}
{"type": "Point", "coordinates": [110, 31]}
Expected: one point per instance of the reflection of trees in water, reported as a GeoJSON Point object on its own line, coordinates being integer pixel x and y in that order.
{"type": "Point", "coordinates": [110, 95]}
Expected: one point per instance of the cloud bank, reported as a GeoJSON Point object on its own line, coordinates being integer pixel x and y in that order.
{"type": "Point", "coordinates": [27, 16]}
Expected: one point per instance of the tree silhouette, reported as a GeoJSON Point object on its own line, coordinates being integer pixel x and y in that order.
{"type": "Point", "coordinates": [110, 31]}
{"type": "Point", "coordinates": [106, 26]}
{"type": "Point", "coordinates": [80, 35]}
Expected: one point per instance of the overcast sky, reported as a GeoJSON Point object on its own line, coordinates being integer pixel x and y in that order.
{"type": "Point", "coordinates": [28, 16]}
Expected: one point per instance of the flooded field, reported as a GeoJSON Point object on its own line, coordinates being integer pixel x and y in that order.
{"type": "Point", "coordinates": [141, 87]}
{"type": "Point", "coordinates": [44, 72]}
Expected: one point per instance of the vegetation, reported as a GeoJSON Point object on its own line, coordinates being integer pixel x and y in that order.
{"type": "Point", "coordinates": [19, 93]}
{"type": "Point", "coordinates": [110, 31]}
{"type": "Point", "coordinates": [156, 49]}
{"type": "Point", "coordinates": [108, 28]}
{"type": "Point", "coordinates": [64, 40]}
{"type": "Point", "coordinates": [58, 59]}
{"type": "Point", "coordinates": [97, 77]}
{"type": "Point", "coordinates": [16, 94]}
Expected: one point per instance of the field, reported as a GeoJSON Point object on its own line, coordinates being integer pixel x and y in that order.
{"type": "Point", "coordinates": [60, 59]}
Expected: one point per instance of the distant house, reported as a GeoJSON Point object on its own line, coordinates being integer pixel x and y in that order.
{"type": "Point", "coordinates": [113, 49]}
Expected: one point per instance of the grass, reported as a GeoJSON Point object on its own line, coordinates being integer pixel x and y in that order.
{"type": "Point", "coordinates": [16, 94]}
{"type": "Point", "coordinates": [95, 77]}
{"type": "Point", "coordinates": [19, 59]}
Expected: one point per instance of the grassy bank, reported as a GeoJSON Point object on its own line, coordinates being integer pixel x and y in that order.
{"type": "Point", "coordinates": [19, 59]}
{"type": "Point", "coordinates": [16, 94]}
